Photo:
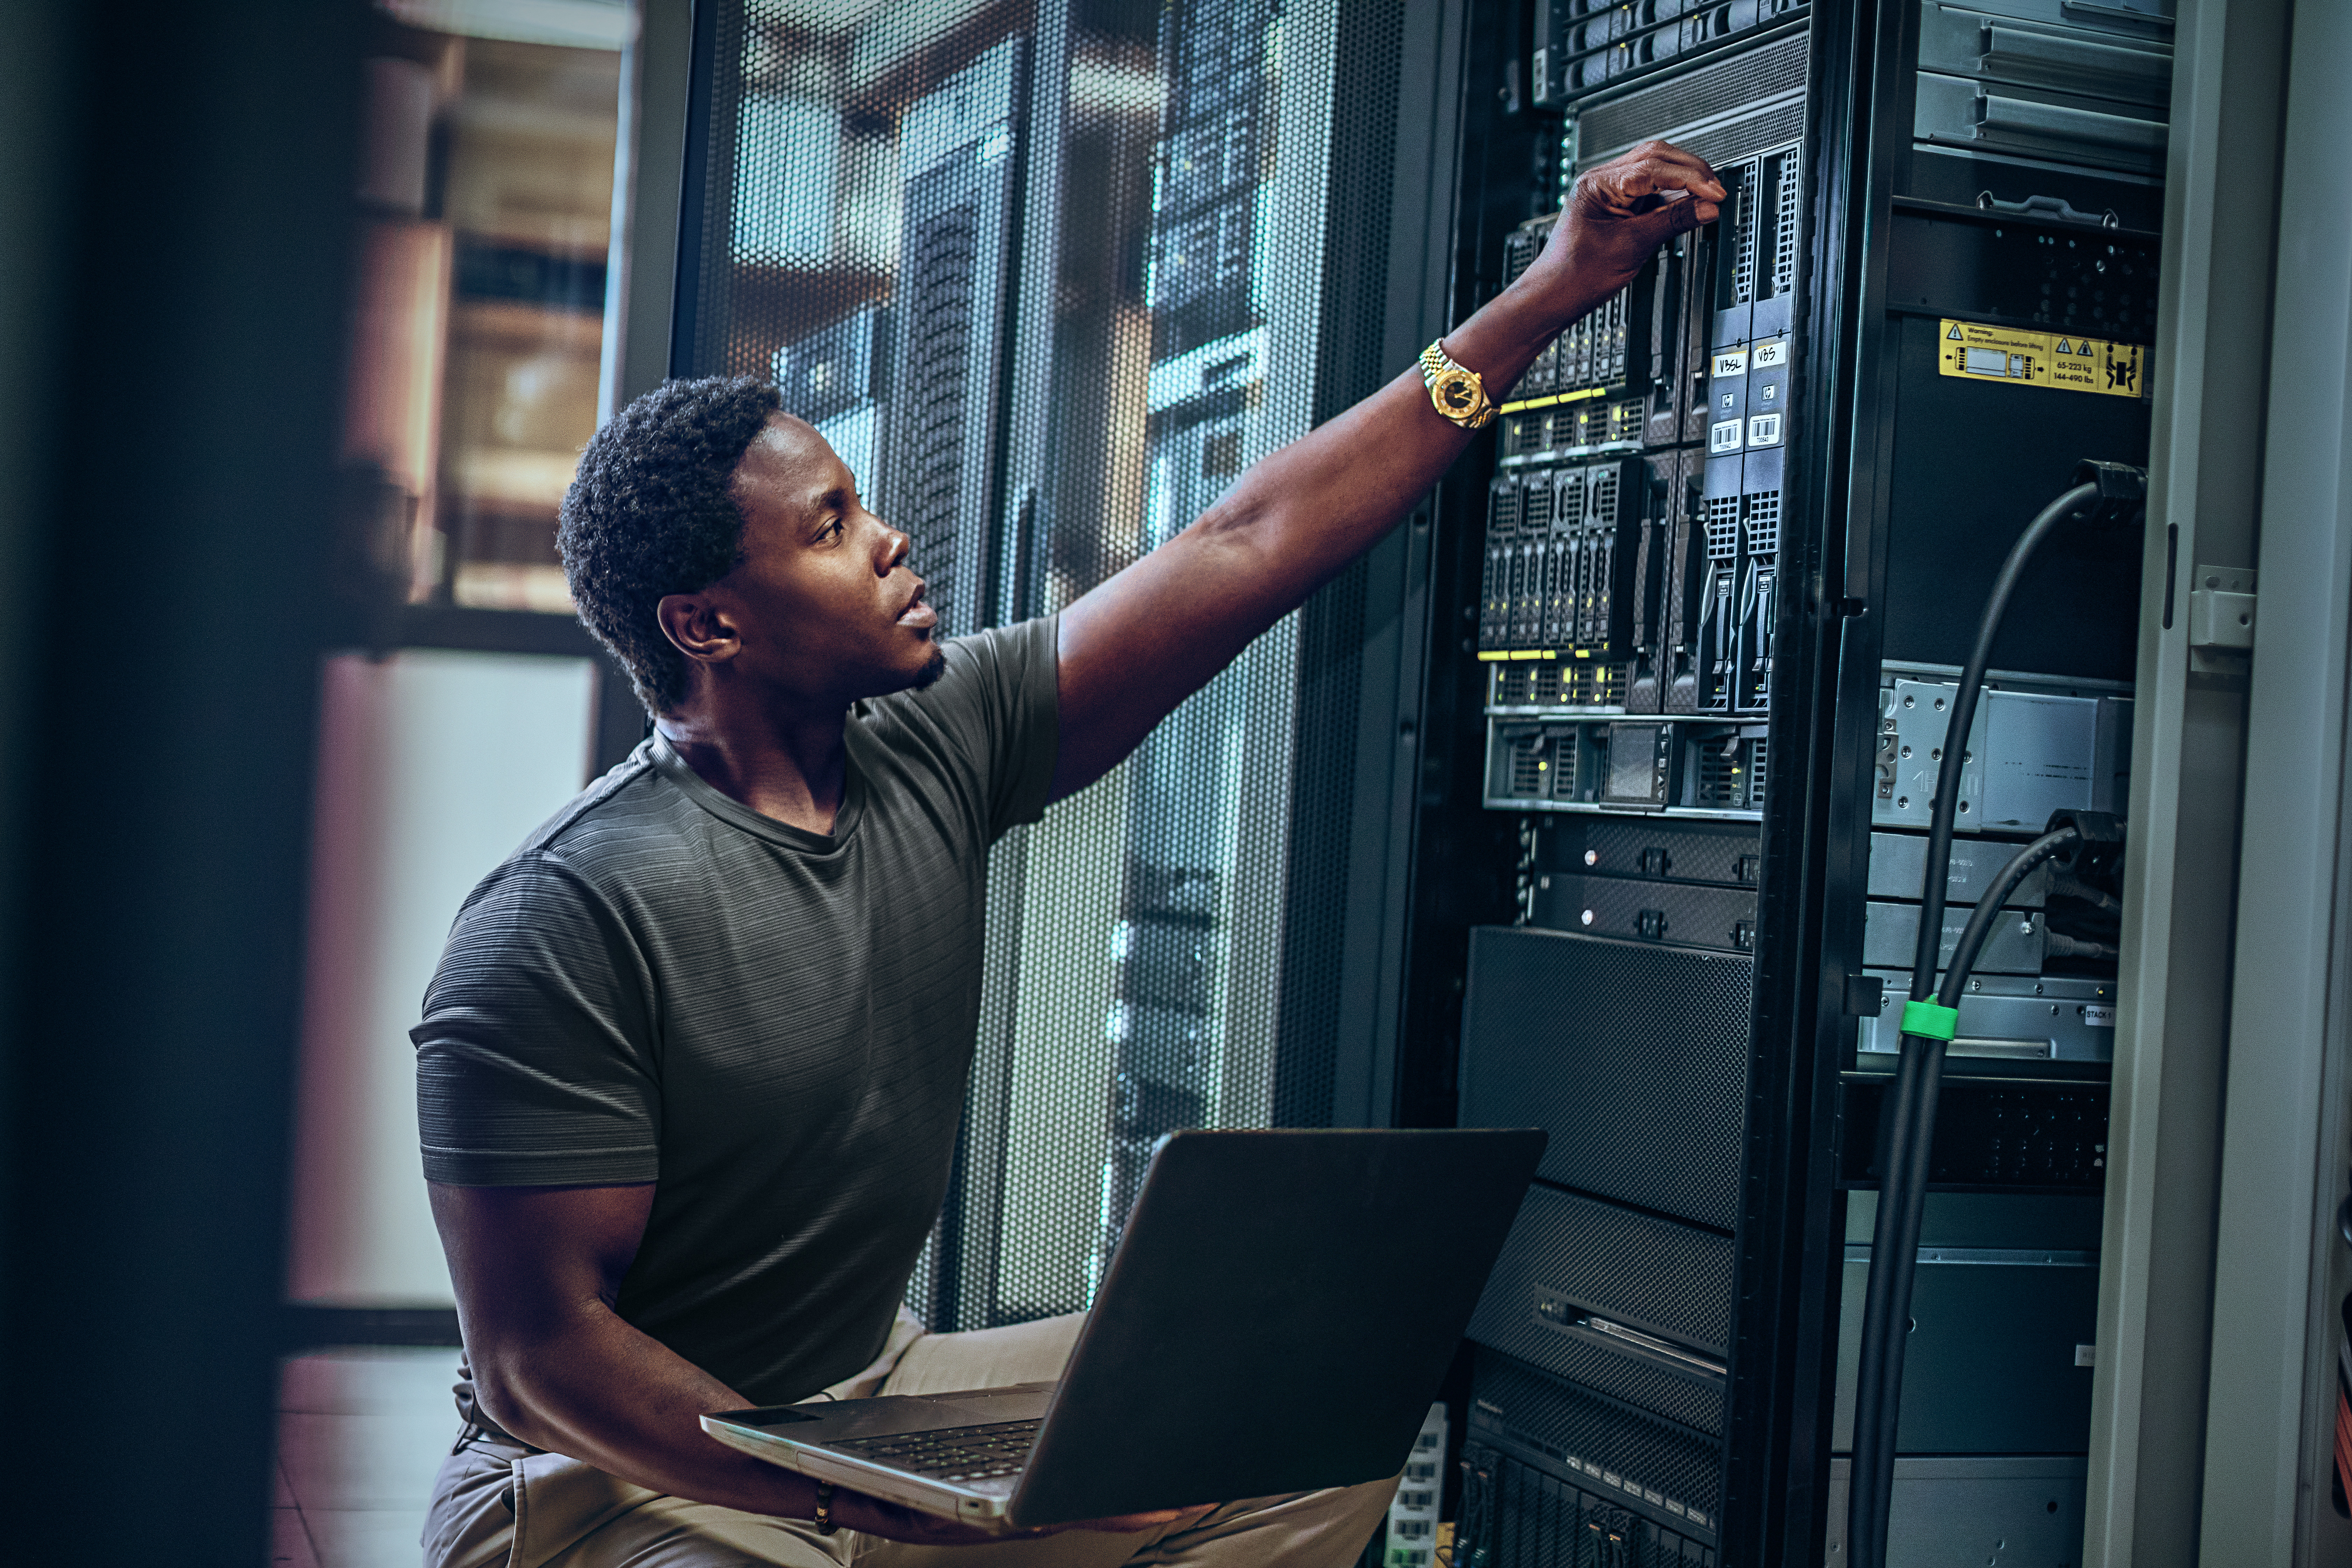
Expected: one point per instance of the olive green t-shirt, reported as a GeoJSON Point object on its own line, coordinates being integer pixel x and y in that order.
{"type": "Point", "coordinates": [771, 1026]}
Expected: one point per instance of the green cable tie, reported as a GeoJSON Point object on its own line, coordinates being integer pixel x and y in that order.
{"type": "Point", "coordinates": [1930, 1020]}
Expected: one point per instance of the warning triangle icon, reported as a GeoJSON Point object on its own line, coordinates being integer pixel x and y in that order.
{"type": "Point", "coordinates": [2064, 347]}
{"type": "Point", "coordinates": [1955, 333]}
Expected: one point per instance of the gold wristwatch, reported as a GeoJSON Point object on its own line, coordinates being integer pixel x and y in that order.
{"type": "Point", "coordinates": [1455, 390]}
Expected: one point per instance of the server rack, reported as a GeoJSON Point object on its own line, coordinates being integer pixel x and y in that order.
{"type": "Point", "coordinates": [1709, 714]}
{"type": "Point", "coordinates": [1168, 1024]}
{"type": "Point", "coordinates": [1061, 271]}
{"type": "Point", "coordinates": [940, 471]}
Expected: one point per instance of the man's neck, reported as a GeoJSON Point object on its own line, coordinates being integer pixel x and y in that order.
{"type": "Point", "coordinates": [790, 766]}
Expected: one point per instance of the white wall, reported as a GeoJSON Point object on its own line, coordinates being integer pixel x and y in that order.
{"type": "Point", "coordinates": [432, 766]}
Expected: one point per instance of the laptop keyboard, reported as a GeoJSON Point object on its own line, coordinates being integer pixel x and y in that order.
{"type": "Point", "coordinates": [952, 1453]}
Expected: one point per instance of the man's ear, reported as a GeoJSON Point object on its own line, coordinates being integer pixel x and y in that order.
{"type": "Point", "coordinates": [703, 631]}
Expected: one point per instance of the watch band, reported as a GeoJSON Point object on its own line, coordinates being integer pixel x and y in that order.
{"type": "Point", "coordinates": [823, 1518]}
{"type": "Point", "coordinates": [1455, 390]}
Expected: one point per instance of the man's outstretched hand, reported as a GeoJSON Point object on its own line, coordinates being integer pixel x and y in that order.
{"type": "Point", "coordinates": [1620, 214]}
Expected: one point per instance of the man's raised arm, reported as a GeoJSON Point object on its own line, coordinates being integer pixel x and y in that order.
{"type": "Point", "coordinates": [1134, 647]}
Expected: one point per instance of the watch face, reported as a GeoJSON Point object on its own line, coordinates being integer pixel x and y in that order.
{"type": "Point", "coordinates": [1457, 392]}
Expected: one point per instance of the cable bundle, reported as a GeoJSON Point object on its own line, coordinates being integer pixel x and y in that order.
{"type": "Point", "coordinates": [2082, 843]}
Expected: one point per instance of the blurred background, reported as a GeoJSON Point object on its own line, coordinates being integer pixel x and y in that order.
{"type": "Point", "coordinates": [306, 317]}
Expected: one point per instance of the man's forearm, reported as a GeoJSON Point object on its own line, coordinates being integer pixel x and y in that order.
{"type": "Point", "coordinates": [1317, 503]}
{"type": "Point", "coordinates": [1325, 499]}
{"type": "Point", "coordinates": [1289, 524]}
{"type": "Point", "coordinates": [597, 1390]}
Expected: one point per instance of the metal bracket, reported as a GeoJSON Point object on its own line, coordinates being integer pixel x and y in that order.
{"type": "Point", "coordinates": [2220, 618]}
{"type": "Point", "coordinates": [1865, 995]}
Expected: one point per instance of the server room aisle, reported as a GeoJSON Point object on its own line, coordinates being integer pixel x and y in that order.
{"type": "Point", "coordinates": [360, 1434]}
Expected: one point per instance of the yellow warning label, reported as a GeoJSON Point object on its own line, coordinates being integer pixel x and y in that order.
{"type": "Point", "coordinates": [1978, 352]}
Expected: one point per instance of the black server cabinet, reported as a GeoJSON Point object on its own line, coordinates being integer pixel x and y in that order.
{"type": "Point", "coordinates": [1712, 709]}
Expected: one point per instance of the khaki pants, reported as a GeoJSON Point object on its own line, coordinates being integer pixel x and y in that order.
{"type": "Point", "coordinates": [498, 1505]}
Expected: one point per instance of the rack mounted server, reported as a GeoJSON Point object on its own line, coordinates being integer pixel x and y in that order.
{"type": "Point", "coordinates": [1715, 632]}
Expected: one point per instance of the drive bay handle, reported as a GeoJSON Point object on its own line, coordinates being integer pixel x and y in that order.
{"type": "Point", "coordinates": [2067, 62]}
{"type": "Point", "coordinates": [2085, 127]}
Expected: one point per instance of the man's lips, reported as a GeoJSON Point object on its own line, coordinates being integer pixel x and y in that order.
{"type": "Point", "coordinates": [918, 614]}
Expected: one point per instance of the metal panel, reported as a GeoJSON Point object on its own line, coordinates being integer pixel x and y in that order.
{"type": "Point", "coordinates": [1647, 847]}
{"type": "Point", "coordinates": [1634, 1057]}
{"type": "Point", "coordinates": [1891, 934]}
{"type": "Point", "coordinates": [1679, 913]}
{"type": "Point", "coordinates": [2268, 1413]}
{"type": "Point", "coordinates": [2006, 1017]}
{"type": "Point", "coordinates": [1368, 986]}
{"type": "Point", "coordinates": [1632, 1268]}
{"type": "Point", "coordinates": [2180, 861]}
{"type": "Point", "coordinates": [1898, 868]}
{"type": "Point", "coordinates": [649, 154]}
{"type": "Point", "coordinates": [1598, 1444]}
{"type": "Point", "coordinates": [1611, 1299]}
{"type": "Point", "coordinates": [1961, 1512]}
{"type": "Point", "coordinates": [1994, 1363]}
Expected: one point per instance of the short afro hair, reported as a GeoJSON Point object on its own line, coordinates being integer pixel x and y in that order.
{"type": "Point", "coordinates": [651, 513]}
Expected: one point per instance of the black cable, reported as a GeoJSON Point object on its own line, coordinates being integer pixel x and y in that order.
{"type": "Point", "coordinates": [1989, 908]}
{"type": "Point", "coordinates": [1909, 1113]}
{"type": "Point", "coordinates": [1905, 1198]}
{"type": "Point", "coordinates": [1956, 735]}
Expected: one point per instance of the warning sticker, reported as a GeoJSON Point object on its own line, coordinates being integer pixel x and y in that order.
{"type": "Point", "coordinates": [1978, 352]}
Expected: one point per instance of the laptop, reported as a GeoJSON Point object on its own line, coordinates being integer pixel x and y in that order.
{"type": "Point", "coordinates": [1276, 1318]}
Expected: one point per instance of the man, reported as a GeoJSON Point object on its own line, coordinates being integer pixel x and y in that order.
{"type": "Point", "coordinates": [690, 1073]}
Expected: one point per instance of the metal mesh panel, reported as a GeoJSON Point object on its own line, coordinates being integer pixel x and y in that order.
{"type": "Point", "coordinates": [1050, 276]}
{"type": "Point", "coordinates": [1593, 1365]}
{"type": "Point", "coordinates": [1634, 1056]}
{"type": "Point", "coordinates": [1516, 1515]}
{"type": "Point", "coordinates": [1787, 225]}
{"type": "Point", "coordinates": [1574, 1432]}
{"type": "Point", "coordinates": [1530, 760]}
{"type": "Point", "coordinates": [1723, 528]}
{"type": "Point", "coordinates": [1571, 1260]}
{"type": "Point", "coordinates": [1763, 523]}
{"type": "Point", "coordinates": [1683, 108]}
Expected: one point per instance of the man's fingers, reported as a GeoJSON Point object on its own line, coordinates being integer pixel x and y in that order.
{"type": "Point", "coordinates": [1653, 168]}
{"type": "Point", "coordinates": [1661, 224]}
{"type": "Point", "coordinates": [1624, 187]}
{"type": "Point", "coordinates": [1665, 154]}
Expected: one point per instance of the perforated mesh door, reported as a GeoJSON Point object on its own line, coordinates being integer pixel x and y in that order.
{"type": "Point", "coordinates": [1050, 278]}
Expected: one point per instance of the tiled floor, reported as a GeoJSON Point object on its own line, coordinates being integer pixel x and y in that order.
{"type": "Point", "coordinates": [359, 1434]}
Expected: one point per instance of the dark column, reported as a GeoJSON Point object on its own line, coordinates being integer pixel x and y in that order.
{"type": "Point", "coordinates": [172, 327]}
